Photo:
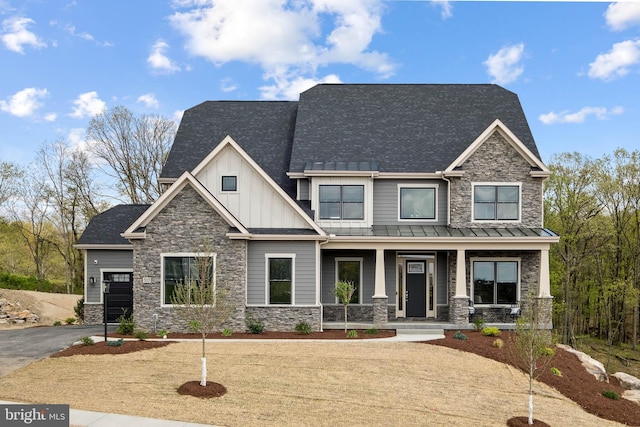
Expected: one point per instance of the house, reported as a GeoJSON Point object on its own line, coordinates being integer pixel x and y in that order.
{"type": "Point", "coordinates": [427, 197]}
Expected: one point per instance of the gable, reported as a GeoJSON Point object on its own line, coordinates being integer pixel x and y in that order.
{"type": "Point", "coordinates": [258, 202]}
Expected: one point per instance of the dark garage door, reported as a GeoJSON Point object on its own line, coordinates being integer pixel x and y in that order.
{"type": "Point", "coordinates": [120, 297]}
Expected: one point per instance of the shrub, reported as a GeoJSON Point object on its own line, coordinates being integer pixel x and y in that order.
{"type": "Point", "coordinates": [460, 336]}
{"type": "Point", "coordinates": [254, 325]}
{"type": "Point", "coordinates": [126, 324]}
{"type": "Point", "coordinates": [371, 331]}
{"type": "Point", "coordinates": [556, 372]}
{"type": "Point", "coordinates": [70, 320]}
{"type": "Point", "coordinates": [79, 310]}
{"type": "Point", "coordinates": [57, 323]}
{"type": "Point", "coordinates": [116, 343]}
{"type": "Point", "coordinates": [498, 343]}
{"type": "Point", "coordinates": [141, 335]}
{"type": "Point", "coordinates": [226, 332]}
{"type": "Point", "coordinates": [352, 334]}
{"type": "Point", "coordinates": [478, 323]}
{"type": "Point", "coordinates": [491, 331]}
{"type": "Point", "coordinates": [547, 351]}
{"type": "Point", "coordinates": [87, 341]}
{"type": "Point", "coordinates": [610, 394]}
{"type": "Point", "coordinates": [162, 333]}
{"type": "Point", "coordinates": [303, 328]}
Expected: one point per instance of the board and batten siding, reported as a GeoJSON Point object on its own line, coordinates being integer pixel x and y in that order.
{"type": "Point", "coordinates": [100, 260]}
{"type": "Point", "coordinates": [304, 275]}
{"type": "Point", "coordinates": [386, 210]}
{"type": "Point", "coordinates": [255, 203]}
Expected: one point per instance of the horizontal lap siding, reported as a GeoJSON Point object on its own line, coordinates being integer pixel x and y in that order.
{"type": "Point", "coordinates": [305, 270]}
{"type": "Point", "coordinates": [385, 201]}
{"type": "Point", "coordinates": [328, 274]}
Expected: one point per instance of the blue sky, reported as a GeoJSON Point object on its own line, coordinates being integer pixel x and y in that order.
{"type": "Point", "coordinates": [574, 65]}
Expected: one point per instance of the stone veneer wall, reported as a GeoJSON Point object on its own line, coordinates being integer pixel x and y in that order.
{"type": "Point", "coordinates": [355, 313]}
{"type": "Point", "coordinates": [93, 314]}
{"type": "Point", "coordinates": [182, 227]}
{"type": "Point", "coordinates": [496, 161]}
{"type": "Point", "coordinates": [285, 319]}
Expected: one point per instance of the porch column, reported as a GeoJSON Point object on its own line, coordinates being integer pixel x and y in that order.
{"type": "Point", "coordinates": [545, 287]}
{"type": "Point", "coordinates": [460, 303]}
{"type": "Point", "coordinates": [461, 275]}
{"type": "Point", "coordinates": [380, 299]}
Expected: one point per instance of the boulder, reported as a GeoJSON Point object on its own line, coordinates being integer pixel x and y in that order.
{"type": "Point", "coordinates": [627, 381]}
{"type": "Point", "coordinates": [632, 395]}
{"type": "Point", "coordinates": [592, 366]}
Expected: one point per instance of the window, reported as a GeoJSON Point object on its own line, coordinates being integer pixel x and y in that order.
{"type": "Point", "coordinates": [350, 270]}
{"type": "Point", "coordinates": [417, 203]}
{"type": "Point", "coordinates": [280, 279]}
{"type": "Point", "coordinates": [229, 183]}
{"type": "Point", "coordinates": [342, 202]}
{"type": "Point", "coordinates": [495, 282]}
{"type": "Point", "coordinates": [496, 202]}
{"type": "Point", "coordinates": [184, 270]}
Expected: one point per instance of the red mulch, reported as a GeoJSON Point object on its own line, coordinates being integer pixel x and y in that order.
{"type": "Point", "coordinates": [193, 388]}
{"type": "Point", "coordinates": [330, 334]}
{"type": "Point", "coordinates": [575, 383]}
{"type": "Point", "coordinates": [102, 348]}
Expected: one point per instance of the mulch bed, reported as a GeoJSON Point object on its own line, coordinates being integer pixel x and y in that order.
{"type": "Point", "coordinates": [330, 334]}
{"type": "Point", "coordinates": [102, 348]}
{"type": "Point", "coordinates": [193, 388]}
{"type": "Point", "coordinates": [575, 383]}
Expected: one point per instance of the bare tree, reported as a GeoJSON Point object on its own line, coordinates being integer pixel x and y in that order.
{"type": "Point", "coordinates": [9, 175]}
{"type": "Point", "coordinates": [200, 304]}
{"type": "Point", "coordinates": [134, 149]}
{"type": "Point", "coordinates": [344, 290]}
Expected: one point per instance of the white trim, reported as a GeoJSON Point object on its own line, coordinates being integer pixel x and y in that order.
{"type": "Point", "coordinates": [419, 186]}
{"type": "Point", "coordinates": [233, 174]}
{"type": "Point", "coordinates": [360, 285]}
{"type": "Point", "coordinates": [267, 257]}
{"type": "Point", "coordinates": [365, 182]}
{"type": "Point", "coordinates": [184, 180]}
{"type": "Point", "coordinates": [496, 184]}
{"type": "Point", "coordinates": [164, 255]}
{"type": "Point", "coordinates": [518, 260]}
{"type": "Point", "coordinates": [229, 141]}
{"type": "Point", "coordinates": [498, 126]}
{"type": "Point", "coordinates": [98, 246]}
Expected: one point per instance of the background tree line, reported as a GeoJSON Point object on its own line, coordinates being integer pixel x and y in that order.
{"type": "Point", "coordinates": [593, 204]}
{"type": "Point", "coordinates": [45, 206]}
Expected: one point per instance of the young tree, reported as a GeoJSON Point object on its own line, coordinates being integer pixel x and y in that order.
{"type": "Point", "coordinates": [344, 291]}
{"type": "Point", "coordinates": [532, 344]}
{"type": "Point", "coordinates": [200, 304]}
{"type": "Point", "coordinates": [134, 149]}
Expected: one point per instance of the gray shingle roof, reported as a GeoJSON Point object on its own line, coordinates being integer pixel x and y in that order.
{"type": "Point", "coordinates": [105, 228]}
{"type": "Point", "coordinates": [264, 129]}
{"type": "Point", "coordinates": [401, 127]}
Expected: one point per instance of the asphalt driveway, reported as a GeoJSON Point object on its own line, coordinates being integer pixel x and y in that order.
{"type": "Point", "coordinates": [20, 347]}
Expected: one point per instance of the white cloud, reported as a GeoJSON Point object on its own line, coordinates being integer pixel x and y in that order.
{"type": "Point", "coordinates": [149, 99]}
{"type": "Point", "coordinates": [622, 15]}
{"type": "Point", "coordinates": [446, 7]}
{"type": "Point", "coordinates": [227, 85]}
{"type": "Point", "coordinates": [50, 117]}
{"type": "Point", "coordinates": [88, 105]}
{"type": "Point", "coordinates": [616, 63]}
{"type": "Point", "coordinates": [290, 87]}
{"type": "Point", "coordinates": [15, 34]}
{"type": "Point", "coordinates": [76, 138]}
{"type": "Point", "coordinates": [505, 67]}
{"type": "Point", "coordinates": [177, 115]}
{"type": "Point", "coordinates": [285, 37]}
{"type": "Point", "coordinates": [24, 103]}
{"type": "Point", "coordinates": [159, 61]}
{"type": "Point", "coordinates": [600, 113]}
{"type": "Point", "coordinates": [83, 35]}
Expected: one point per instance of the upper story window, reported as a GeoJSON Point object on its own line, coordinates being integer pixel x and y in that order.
{"type": "Point", "coordinates": [341, 202]}
{"type": "Point", "coordinates": [229, 183]}
{"type": "Point", "coordinates": [496, 202]}
{"type": "Point", "coordinates": [418, 203]}
{"type": "Point", "coordinates": [184, 270]}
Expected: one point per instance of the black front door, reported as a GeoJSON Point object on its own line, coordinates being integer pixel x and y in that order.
{"type": "Point", "coordinates": [120, 297]}
{"type": "Point", "coordinates": [416, 289]}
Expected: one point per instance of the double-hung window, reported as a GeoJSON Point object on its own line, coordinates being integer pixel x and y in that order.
{"type": "Point", "coordinates": [341, 202]}
{"type": "Point", "coordinates": [185, 270]}
{"type": "Point", "coordinates": [280, 278]}
{"type": "Point", "coordinates": [418, 203]}
{"type": "Point", "coordinates": [496, 202]}
{"type": "Point", "coordinates": [495, 282]}
{"type": "Point", "coordinates": [350, 270]}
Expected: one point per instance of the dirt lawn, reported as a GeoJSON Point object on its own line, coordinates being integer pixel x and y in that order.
{"type": "Point", "coordinates": [50, 307]}
{"type": "Point", "coordinates": [353, 383]}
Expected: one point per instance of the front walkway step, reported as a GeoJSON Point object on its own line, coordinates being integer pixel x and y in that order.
{"type": "Point", "coordinates": [419, 331]}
